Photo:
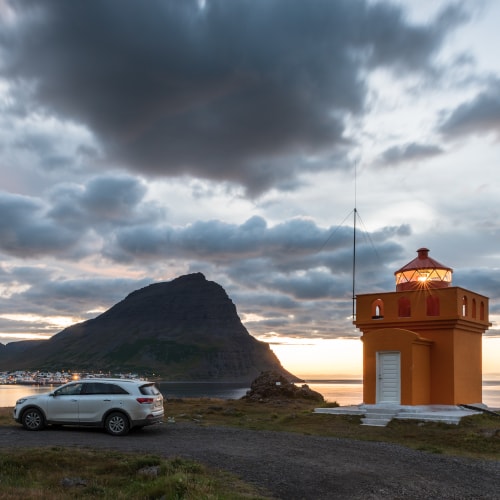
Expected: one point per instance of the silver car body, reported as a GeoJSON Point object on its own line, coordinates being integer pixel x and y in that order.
{"type": "Point", "coordinates": [115, 404]}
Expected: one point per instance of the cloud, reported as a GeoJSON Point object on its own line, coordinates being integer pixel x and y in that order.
{"type": "Point", "coordinates": [79, 296]}
{"type": "Point", "coordinates": [480, 115]}
{"type": "Point", "coordinates": [110, 216]}
{"type": "Point", "coordinates": [288, 266]}
{"type": "Point", "coordinates": [484, 281]}
{"type": "Point", "coordinates": [393, 42]}
{"type": "Point", "coordinates": [25, 231]}
{"type": "Point", "coordinates": [75, 219]}
{"type": "Point", "coordinates": [408, 153]}
{"type": "Point", "coordinates": [241, 92]}
{"type": "Point", "coordinates": [107, 199]}
{"type": "Point", "coordinates": [27, 291]}
{"type": "Point", "coordinates": [289, 245]}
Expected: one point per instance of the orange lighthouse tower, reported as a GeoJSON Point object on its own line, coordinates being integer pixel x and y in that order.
{"type": "Point", "coordinates": [422, 344]}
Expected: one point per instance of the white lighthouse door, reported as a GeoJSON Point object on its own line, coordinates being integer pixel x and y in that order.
{"type": "Point", "coordinates": [389, 377]}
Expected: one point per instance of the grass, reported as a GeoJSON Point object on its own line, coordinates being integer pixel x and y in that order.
{"type": "Point", "coordinates": [475, 437]}
{"type": "Point", "coordinates": [77, 473]}
{"type": "Point", "coordinates": [31, 473]}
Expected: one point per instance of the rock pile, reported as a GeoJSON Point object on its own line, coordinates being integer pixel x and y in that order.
{"type": "Point", "coordinates": [272, 385]}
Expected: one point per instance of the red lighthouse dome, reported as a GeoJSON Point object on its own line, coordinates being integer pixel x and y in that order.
{"type": "Point", "coordinates": [423, 272]}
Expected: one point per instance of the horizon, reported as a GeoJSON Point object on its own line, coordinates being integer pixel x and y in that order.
{"type": "Point", "coordinates": [346, 355]}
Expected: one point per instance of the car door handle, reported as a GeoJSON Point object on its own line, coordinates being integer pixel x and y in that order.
{"type": "Point", "coordinates": [106, 400]}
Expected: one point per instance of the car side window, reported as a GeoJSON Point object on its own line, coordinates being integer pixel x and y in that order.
{"type": "Point", "coordinates": [69, 390]}
{"type": "Point", "coordinates": [116, 389]}
{"type": "Point", "coordinates": [93, 388]}
{"type": "Point", "coordinates": [103, 388]}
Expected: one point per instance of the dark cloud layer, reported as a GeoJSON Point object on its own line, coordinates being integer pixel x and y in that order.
{"type": "Point", "coordinates": [109, 216]}
{"type": "Point", "coordinates": [252, 93]}
{"type": "Point", "coordinates": [480, 115]}
{"type": "Point", "coordinates": [65, 225]}
{"type": "Point", "coordinates": [408, 153]}
{"type": "Point", "coordinates": [111, 200]}
{"type": "Point", "coordinates": [25, 231]}
{"type": "Point", "coordinates": [236, 91]}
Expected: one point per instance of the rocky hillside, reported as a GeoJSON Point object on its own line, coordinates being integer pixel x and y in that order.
{"type": "Point", "coordinates": [185, 329]}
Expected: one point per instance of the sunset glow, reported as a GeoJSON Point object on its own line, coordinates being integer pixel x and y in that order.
{"type": "Point", "coordinates": [330, 358]}
{"type": "Point", "coordinates": [342, 358]}
{"type": "Point", "coordinates": [59, 322]}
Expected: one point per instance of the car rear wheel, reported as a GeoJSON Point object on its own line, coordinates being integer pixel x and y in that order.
{"type": "Point", "coordinates": [33, 420]}
{"type": "Point", "coordinates": [117, 424]}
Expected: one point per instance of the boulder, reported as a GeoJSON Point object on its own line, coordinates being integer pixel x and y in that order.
{"type": "Point", "coordinates": [272, 385]}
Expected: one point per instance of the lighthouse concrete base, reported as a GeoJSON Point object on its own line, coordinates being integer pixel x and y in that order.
{"type": "Point", "coordinates": [381, 414]}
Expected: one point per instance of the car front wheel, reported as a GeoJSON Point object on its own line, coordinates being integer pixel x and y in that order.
{"type": "Point", "coordinates": [33, 420]}
{"type": "Point", "coordinates": [117, 424]}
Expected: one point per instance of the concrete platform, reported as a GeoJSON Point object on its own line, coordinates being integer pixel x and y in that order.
{"type": "Point", "coordinates": [381, 414]}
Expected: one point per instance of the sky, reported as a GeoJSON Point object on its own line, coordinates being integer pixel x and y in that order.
{"type": "Point", "coordinates": [141, 142]}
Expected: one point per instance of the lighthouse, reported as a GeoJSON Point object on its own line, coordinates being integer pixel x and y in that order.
{"type": "Point", "coordinates": [422, 343]}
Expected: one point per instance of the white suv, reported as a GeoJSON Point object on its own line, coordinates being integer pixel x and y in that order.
{"type": "Point", "coordinates": [115, 404]}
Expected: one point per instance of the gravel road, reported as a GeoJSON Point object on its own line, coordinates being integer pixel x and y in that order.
{"type": "Point", "coordinates": [293, 466]}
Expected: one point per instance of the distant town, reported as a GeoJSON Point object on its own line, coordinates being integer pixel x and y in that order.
{"type": "Point", "coordinates": [23, 377]}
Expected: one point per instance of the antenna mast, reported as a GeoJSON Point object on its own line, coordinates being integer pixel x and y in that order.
{"type": "Point", "coordinates": [354, 251]}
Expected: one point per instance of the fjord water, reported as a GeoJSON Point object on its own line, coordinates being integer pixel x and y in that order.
{"type": "Point", "coordinates": [343, 391]}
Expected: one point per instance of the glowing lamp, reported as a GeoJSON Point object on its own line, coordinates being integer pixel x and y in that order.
{"type": "Point", "coordinates": [423, 271]}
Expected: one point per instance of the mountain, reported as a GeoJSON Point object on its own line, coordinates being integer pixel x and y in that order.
{"type": "Point", "coordinates": [184, 329]}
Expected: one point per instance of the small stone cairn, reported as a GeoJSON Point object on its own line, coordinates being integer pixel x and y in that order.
{"type": "Point", "coordinates": [272, 386]}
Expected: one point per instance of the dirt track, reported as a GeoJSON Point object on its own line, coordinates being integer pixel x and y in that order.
{"type": "Point", "coordinates": [292, 466]}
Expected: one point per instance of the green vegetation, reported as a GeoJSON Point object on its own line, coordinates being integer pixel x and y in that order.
{"type": "Point", "coordinates": [76, 473]}
{"type": "Point", "coordinates": [168, 351]}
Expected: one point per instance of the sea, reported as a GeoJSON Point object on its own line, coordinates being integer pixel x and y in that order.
{"type": "Point", "coordinates": [344, 391]}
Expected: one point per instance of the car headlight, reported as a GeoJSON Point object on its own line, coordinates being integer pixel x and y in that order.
{"type": "Point", "coordinates": [21, 401]}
